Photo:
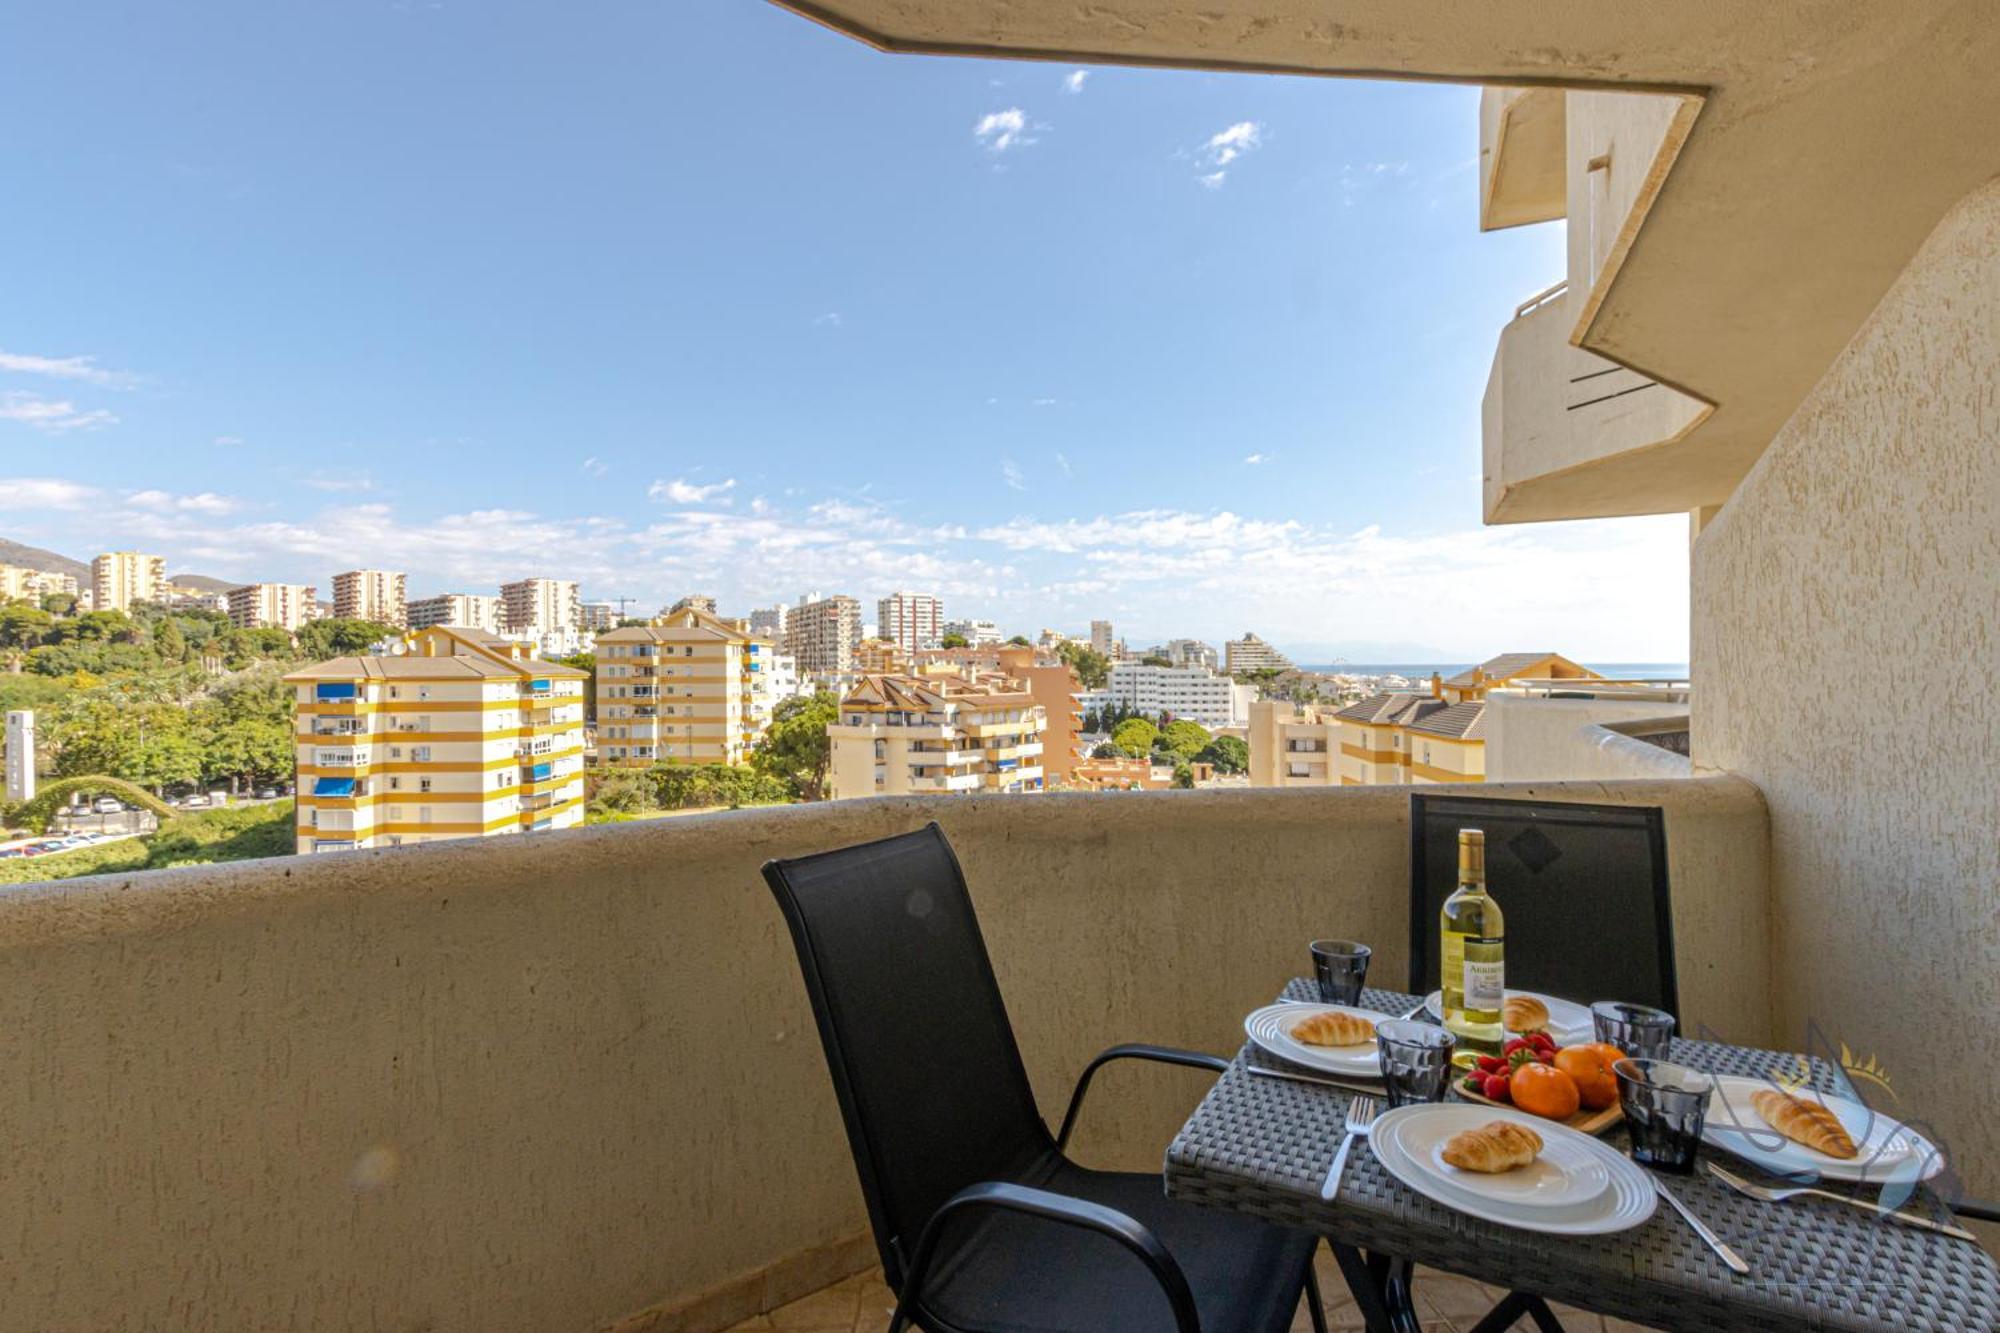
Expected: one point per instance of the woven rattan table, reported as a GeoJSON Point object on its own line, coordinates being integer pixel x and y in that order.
{"type": "Point", "coordinates": [1262, 1146]}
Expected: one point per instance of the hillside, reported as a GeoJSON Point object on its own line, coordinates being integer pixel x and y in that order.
{"type": "Point", "coordinates": [203, 583]}
{"type": "Point", "coordinates": [34, 557]}
{"type": "Point", "coordinates": [236, 833]}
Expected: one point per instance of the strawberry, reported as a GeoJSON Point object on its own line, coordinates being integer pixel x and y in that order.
{"type": "Point", "coordinates": [1514, 1044]}
{"type": "Point", "coordinates": [1474, 1084]}
{"type": "Point", "coordinates": [1543, 1041]}
{"type": "Point", "coordinates": [1492, 1064]}
{"type": "Point", "coordinates": [1496, 1087]}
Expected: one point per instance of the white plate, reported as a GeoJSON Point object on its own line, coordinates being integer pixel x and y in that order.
{"type": "Point", "coordinates": [1401, 1140]}
{"type": "Point", "coordinates": [1887, 1148]}
{"type": "Point", "coordinates": [1271, 1028]}
{"type": "Point", "coordinates": [1569, 1023]}
{"type": "Point", "coordinates": [1563, 1175]}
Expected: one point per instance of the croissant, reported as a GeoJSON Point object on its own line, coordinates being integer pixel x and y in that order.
{"type": "Point", "coordinates": [1524, 1013]}
{"type": "Point", "coordinates": [1330, 1027]}
{"type": "Point", "coordinates": [1804, 1122]}
{"type": "Point", "coordinates": [1499, 1145]}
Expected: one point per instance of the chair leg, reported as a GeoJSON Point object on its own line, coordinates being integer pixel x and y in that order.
{"type": "Point", "coordinates": [1383, 1302]}
{"type": "Point", "coordinates": [1512, 1307]}
{"type": "Point", "coordinates": [1315, 1307]}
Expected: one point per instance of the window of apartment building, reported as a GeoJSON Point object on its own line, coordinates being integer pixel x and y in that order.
{"type": "Point", "coordinates": [395, 783]}
{"type": "Point", "coordinates": [420, 753]}
{"type": "Point", "coordinates": [395, 752]}
{"type": "Point", "coordinates": [423, 784]}
{"type": "Point", "coordinates": [393, 694]}
{"type": "Point", "coordinates": [423, 814]}
{"type": "Point", "coordinates": [423, 691]}
{"type": "Point", "coordinates": [1427, 752]}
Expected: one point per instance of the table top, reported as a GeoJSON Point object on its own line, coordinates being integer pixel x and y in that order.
{"type": "Point", "coordinates": [1263, 1145]}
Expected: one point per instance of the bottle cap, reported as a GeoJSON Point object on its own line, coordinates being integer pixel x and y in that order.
{"type": "Point", "coordinates": [1471, 853]}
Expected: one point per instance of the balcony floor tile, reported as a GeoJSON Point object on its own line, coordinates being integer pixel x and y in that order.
{"type": "Point", "coordinates": [1449, 1304]}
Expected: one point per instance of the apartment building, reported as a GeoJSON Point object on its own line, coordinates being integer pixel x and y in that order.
{"type": "Point", "coordinates": [1102, 640]}
{"type": "Point", "coordinates": [461, 735]}
{"type": "Point", "coordinates": [694, 601]}
{"type": "Point", "coordinates": [596, 617]}
{"type": "Point", "coordinates": [458, 610]}
{"type": "Point", "coordinates": [822, 634]}
{"type": "Point", "coordinates": [22, 583]}
{"type": "Point", "coordinates": [1395, 737]}
{"type": "Point", "coordinates": [371, 594]}
{"type": "Point", "coordinates": [976, 633]}
{"type": "Point", "coordinates": [1191, 653]}
{"type": "Point", "coordinates": [285, 606]}
{"type": "Point", "coordinates": [914, 621]}
{"type": "Point", "coordinates": [120, 578]}
{"type": "Point", "coordinates": [184, 597]}
{"type": "Point", "coordinates": [1189, 693]}
{"type": "Point", "coordinates": [938, 731]}
{"type": "Point", "coordinates": [1251, 653]}
{"type": "Point", "coordinates": [1054, 685]}
{"type": "Point", "coordinates": [535, 608]}
{"type": "Point", "coordinates": [686, 688]}
{"type": "Point", "coordinates": [768, 623]}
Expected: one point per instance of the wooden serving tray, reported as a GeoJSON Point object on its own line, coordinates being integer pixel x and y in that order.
{"type": "Point", "coordinates": [1586, 1121]}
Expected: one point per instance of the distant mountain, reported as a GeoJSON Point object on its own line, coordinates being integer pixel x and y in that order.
{"type": "Point", "coordinates": [1369, 652]}
{"type": "Point", "coordinates": [202, 582]}
{"type": "Point", "coordinates": [34, 557]}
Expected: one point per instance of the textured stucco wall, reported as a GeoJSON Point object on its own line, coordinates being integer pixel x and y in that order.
{"type": "Point", "coordinates": [1532, 739]}
{"type": "Point", "coordinates": [542, 1083]}
{"type": "Point", "coordinates": [1848, 654]}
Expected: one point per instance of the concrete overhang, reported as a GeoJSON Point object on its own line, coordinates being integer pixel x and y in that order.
{"type": "Point", "coordinates": [1523, 146]}
{"type": "Point", "coordinates": [1830, 140]}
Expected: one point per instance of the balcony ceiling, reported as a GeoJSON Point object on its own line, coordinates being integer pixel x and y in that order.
{"type": "Point", "coordinates": [1833, 137]}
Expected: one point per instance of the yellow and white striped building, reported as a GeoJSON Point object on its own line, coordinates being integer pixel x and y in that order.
{"type": "Point", "coordinates": [688, 688]}
{"type": "Point", "coordinates": [938, 730]}
{"type": "Point", "coordinates": [463, 735]}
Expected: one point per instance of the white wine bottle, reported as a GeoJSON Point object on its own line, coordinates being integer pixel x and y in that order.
{"type": "Point", "coordinates": [1472, 955]}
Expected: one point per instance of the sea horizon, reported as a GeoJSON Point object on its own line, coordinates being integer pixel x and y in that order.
{"type": "Point", "coordinates": [1416, 670]}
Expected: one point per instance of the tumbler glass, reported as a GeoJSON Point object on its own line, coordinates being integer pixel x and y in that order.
{"type": "Point", "coordinates": [1340, 966]}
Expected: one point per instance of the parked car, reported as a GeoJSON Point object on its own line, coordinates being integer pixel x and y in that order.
{"type": "Point", "coordinates": [198, 801]}
{"type": "Point", "coordinates": [107, 805]}
{"type": "Point", "coordinates": [268, 794]}
{"type": "Point", "coordinates": [8, 852]}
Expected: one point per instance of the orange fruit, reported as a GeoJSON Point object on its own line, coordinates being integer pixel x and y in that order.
{"type": "Point", "coordinates": [1544, 1090]}
{"type": "Point", "coordinates": [1589, 1065]}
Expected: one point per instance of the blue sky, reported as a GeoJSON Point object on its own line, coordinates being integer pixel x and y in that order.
{"type": "Point", "coordinates": [700, 296]}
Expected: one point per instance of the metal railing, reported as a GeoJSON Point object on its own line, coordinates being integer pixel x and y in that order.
{"type": "Point", "coordinates": [1542, 298]}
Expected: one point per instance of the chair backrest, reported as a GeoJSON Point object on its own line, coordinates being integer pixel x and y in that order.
{"type": "Point", "coordinates": [923, 1059]}
{"type": "Point", "coordinates": [1583, 889]}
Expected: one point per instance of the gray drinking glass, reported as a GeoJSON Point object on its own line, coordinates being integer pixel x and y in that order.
{"type": "Point", "coordinates": [1340, 966]}
{"type": "Point", "coordinates": [1415, 1059]}
{"type": "Point", "coordinates": [1665, 1106]}
{"type": "Point", "coordinates": [1642, 1033]}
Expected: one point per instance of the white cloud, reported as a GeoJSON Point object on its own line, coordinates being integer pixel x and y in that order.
{"type": "Point", "coordinates": [683, 492]}
{"type": "Point", "coordinates": [1225, 146]}
{"type": "Point", "coordinates": [1254, 459]}
{"type": "Point", "coordinates": [1062, 461]}
{"type": "Point", "coordinates": [1010, 472]}
{"type": "Point", "coordinates": [831, 319]}
{"type": "Point", "coordinates": [44, 493]}
{"type": "Point", "coordinates": [228, 441]}
{"type": "Point", "coordinates": [52, 415]}
{"type": "Point", "coordinates": [207, 502]}
{"type": "Point", "coordinates": [63, 368]}
{"type": "Point", "coordinates": [341, 481]}
{"type": "Point", "coordinates": [595, 467]}
{"type": "Point", "coordinates": [1042, 402]}
{"type": "Point", "coordinates": [999, 131]}
{"type": "Point", "coordinates": [1213, 180]}
{"type": "Point", "coordinates": [1073, 81]}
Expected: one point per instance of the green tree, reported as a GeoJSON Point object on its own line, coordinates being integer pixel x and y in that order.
{"type": "Point", "coordinates": [337, 637]}
{"type": "Point", "coordinates": [953, 641]}
{"type": "Point", "coordinates": [1185, 739]}
{"type": "Point", "coordinates": [1092, 667]}
{"type": "Point", "coordinates": [1183, 775]}
{"type": "Point", "coordinates": [622, 791]}
{"type": "Point", "coordinates": [795, 749]}
{"type": "Point", "coordinates": [91, 733]}
{"type": "Point", "coordinates": [59, 603]}
{"type": "Point", "coordinates": [1021, 641]}
{"type": "Point", "coordinates": [1154, 659]}
{"type": "Point", "coordinates": [1229, 754]}
{"type": "Point", "coordinates": [169, 642]}
{"type": "Point", "coordinates": [1135, 735]}
{"type": "Point", "coordinates": [1107, 750]}
{"type": "Point", "coordinates": [22, 626]}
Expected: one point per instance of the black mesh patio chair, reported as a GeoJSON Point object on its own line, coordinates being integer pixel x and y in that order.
{"type": "Point", "coordinates": [1583, 887]}
{"type": "Point", "coordinates": [982, 1222]}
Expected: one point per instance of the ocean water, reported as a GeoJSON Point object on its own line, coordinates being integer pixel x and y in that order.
{"type": "Point", "coordinates": [1423, 670]}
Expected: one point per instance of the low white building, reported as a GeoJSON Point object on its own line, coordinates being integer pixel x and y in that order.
{"type": "Point", "coordinates": [976, 633]}
{"type": "Point", "coordinates": [1189, 693]}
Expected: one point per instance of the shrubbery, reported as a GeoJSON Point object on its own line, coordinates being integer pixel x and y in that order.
{"type": "Point", "coordinates": [626, 793]}
{"type": "Point", "coordinates": [234, 833]}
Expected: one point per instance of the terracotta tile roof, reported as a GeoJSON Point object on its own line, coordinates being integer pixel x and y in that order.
{"type": "Point", "coordinates": [1460, 721]}
{"type": "Point", "coordinates": [1507, 665]}
{"type": "Point", "coordinates": [1380, 708]}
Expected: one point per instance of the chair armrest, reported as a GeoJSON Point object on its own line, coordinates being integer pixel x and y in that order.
{"type": "Point", "coordinates": [1983, 1209]}
{"type": "Point", "coordinates": [1063, 1210]}
{"type": "Point", "coordinates": [1167, 1055]}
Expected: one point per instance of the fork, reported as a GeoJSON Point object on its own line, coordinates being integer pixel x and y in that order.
{"type": "Point", "coordinates": [1360, 1115]}
{"type": "Point", "coordinates": [1769, 1195]}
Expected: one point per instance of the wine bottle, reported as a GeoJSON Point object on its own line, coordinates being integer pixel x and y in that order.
{"type": "Point", "coordinates": [1472, 954]}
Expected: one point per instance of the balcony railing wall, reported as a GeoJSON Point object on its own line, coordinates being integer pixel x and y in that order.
{"type": "Point", "coordinates": [571, 1081]}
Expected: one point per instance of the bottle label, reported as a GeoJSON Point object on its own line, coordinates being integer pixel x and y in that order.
{"type": "Point", "coordinates": [1453, 960]}
{"type": "Point", "coordinates": [1485, 986]}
